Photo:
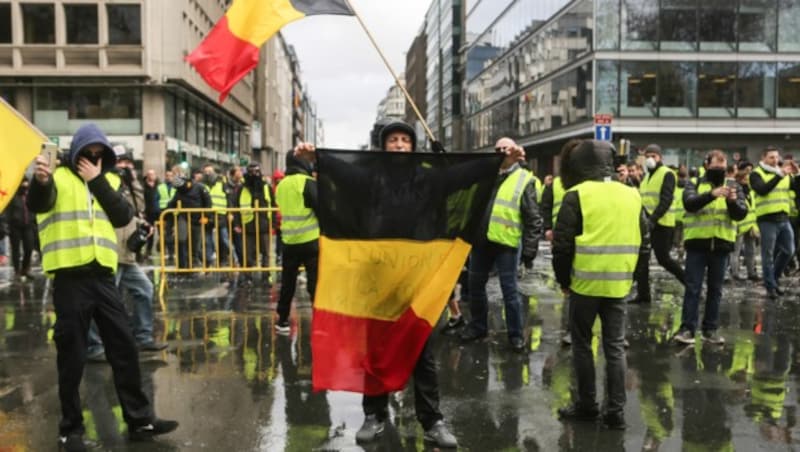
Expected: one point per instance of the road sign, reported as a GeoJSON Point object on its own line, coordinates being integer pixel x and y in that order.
{"type": "Point", "coordinates": [603, 119]}
{"type": "Point", "coordinates": [603, 133]}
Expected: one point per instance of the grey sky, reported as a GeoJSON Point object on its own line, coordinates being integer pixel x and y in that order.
{"type": "Point", "coordinates": [343, 71]}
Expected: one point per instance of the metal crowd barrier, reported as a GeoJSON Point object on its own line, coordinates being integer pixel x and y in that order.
{"type": "Point", "coordinates": [210, 220]}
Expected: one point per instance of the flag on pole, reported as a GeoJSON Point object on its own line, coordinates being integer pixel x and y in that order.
{"type": "Point", "coordinates": [396, 229]}
{"type": "Point", "coordinates": [20, 143]}
{"type": "Point", "coordinates": [230, 50]}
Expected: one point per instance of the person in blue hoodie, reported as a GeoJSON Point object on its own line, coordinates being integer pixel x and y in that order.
{"type": "Point", "coordinates": [78, 208]}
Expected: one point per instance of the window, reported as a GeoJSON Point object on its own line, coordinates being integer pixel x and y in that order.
{"type": "Point", "coordinates": [191, 124]}
{"type": "Point", "coordinates": [7, 94]}
{"type": "Point", "coordinates": [638, 89]}
{"type": "Point", "coordinates": [38, 23]}
{"type": "Point", "coordinates": [789, 90]}
{"type": "Point", "coordinates": [5, 23]}
{"type": "Point", "coordinates": [639, 25]}
{"type": "Point", "coordinates": [718, 25]}
{"type": "Point", "coordinates": [169, 115]}
{"type": "Point", "coordinates": [114, 110]}
{"type": "Point", "coordinates": [715, 90]}
{"type": "Point", "coordinates": [678, 24]}
{"type": "Point", "coordinates": [607, 24]}
{"type": "Point", "coordinates": [677, 89]}
{"type": "Point", "coordinates": [756, 23]}
{"type": "Point", "coordinates": [755, 90]}
{"type": "Point", "coordinates": [124, 24]}
{"type": "Point", "coordinates": [81, 23]}
{"type": "Point", "coordinates": [788, 24]}
{"type": "Point", "coordinates": [608, 87]}
{"type": "Point", "coordinates": [180, 119]}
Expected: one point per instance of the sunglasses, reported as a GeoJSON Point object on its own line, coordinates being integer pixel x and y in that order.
{"type": "Point", "coordinates": [500, 149]}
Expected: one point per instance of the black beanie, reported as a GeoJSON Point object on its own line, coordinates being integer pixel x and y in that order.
{"type": "Point", "coordinates": [398, 126]}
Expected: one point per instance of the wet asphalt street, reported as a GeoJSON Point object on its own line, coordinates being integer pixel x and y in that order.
{"type": "Point", "coordinates": [235, 385]}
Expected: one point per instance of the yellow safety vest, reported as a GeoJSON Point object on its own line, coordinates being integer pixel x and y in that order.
{"type": "Point", "coordinates": [298, 222]}
{"type": "Point", "coordinates": [607, 250]}
{"type": "Point", "coordinates": [677, 205]}
{"type": "Point", "coordinates": [776, 201]}
{"type": "Point", "coordinates": [76, 231]}
{"type": "Point", "coordinates": [712, 221]}
{"type": "Point", "coordinates": [165, 194]}
{"type": "Point", "coordinates": [651, 193]}
{"type": "Point", "coordinates": [246, 200]}
{"type": "Point", "coordinates": [749, 223]}
{"type": "Point", "coordinates": [558, 197]}
{"type": "Point", "coordinates": [219, 200]}
{"type": "Point", "coordinates": [505, 224]}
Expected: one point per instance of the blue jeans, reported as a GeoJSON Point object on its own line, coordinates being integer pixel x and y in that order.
{"type": "Point", "coordinates": [777, 249]}
{"type": "Point", "coordinates": [482, 259]}
{"type": "Point", "coordinates": [696, 264]}
{"type": "Point", "coordinates": [221, 232]}
{"type": "Point", "coordinates": [132, 279]}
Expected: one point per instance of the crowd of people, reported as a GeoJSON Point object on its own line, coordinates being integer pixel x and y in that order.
{"type": "Point", "coordinates": [91, 220]}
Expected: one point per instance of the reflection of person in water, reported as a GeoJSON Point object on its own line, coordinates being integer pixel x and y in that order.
{"type": "Point", "coordinates": [307, 412]}
{"type": "Point", "coordinates": [705, 417]}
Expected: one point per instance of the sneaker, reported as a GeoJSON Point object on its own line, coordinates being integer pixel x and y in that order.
{"type": "Point", "coordinates": [517, 344]}
{"type": "Point", "coordinates": [282, 327]}
{"type": "Point", "coordinates": [566, 340]}
{"type": "Point", "coordinates": [371, 429]}
{"type": "Point", "coordinates": [712, 337]}
{"type": "Point", "coordinates": [152, 346]}
{"type": "Point", "coordinates": [614, 421]}
{"type": "Point", "coordinates": [97, 357]}
{"type": "Point", "coordinates": [470, 335]}
{"type": "Point", "coordinates": [780, 291]}
{"type": "Point", "coordinates": [440, 436]}
{"type": "Point", "coordinates": [72, 443]}
{"type": "Point", "coordinates": [155, 428]}
{"type": "Point", "coordinates": [684, 337]}
{"type": "Point", "coordinates": [772, 294]}
{"type": "Point", "coordinates": [455, 322]}
{"type": "Point", "coordinates": [575, 412]}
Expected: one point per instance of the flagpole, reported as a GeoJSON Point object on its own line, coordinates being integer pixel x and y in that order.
{"type": "Point", "coordinates": [394, 74]}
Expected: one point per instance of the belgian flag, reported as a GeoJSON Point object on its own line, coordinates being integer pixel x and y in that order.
{"type": "Point", "coordinates": [396, 229]}
{"type": "Point", "coordinates": [230, 50]}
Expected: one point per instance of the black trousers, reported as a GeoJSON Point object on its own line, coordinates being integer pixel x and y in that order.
{"type": "Point", "coordinates": [21, 237]}
{"type": "Point", "coordinates": [80, 297]}
{"type": "Point", "coordinates": [583, 311]}
{"type": "Point", "coordinates": [306, 254]}
{"type": "Point", "coordinates": [661, 242]}
{"type": "Point", "coordinates": [426, 392]}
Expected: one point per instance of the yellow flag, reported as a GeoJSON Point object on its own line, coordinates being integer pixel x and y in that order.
{"type": "Point", "coordinates": [20, 143]}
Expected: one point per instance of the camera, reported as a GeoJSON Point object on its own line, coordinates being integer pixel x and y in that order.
{"type": "Point", "coordinates": [138, 239]}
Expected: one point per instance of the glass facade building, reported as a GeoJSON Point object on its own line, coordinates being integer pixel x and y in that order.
{"type": "Point", "coordinates": [444, 32]}
{"type": "Point", "coordinates": [689, 74]}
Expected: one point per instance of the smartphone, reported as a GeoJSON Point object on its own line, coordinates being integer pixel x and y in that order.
{"type": "Point", "coordinates": [50, 152]}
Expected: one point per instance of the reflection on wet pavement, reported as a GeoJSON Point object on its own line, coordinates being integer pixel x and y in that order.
{"type": "Point", "coordinates": [234, 384]}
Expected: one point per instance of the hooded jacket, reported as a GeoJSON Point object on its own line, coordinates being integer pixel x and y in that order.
{"type": "Point", "coordinates": [190, 195]}
{"type": "Point", "coordinates": [42, 197]}
{"type": "Point", "coordinates": [589, 161]}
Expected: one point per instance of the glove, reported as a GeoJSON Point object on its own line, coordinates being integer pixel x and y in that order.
{"type": "Point", "coordinates": [527, 262]}
{"type": "Point", "coordinates": [437, 147]}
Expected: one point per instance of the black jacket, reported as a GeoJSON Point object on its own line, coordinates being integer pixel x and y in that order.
{"type": "Point", "coordinates": [546, 207]}
{"type": "Point", "coordinates": [762, 188]}
{"type": "Point", "coordinates": [151, 210]}
{"type": "Point", "coordinates": [531, 218]}
{"type": "Point", "coordinates": [191, 195]}
{"type": "Point", "coordinates": [589, 161]}
{"type": "Point", "coordinates": [665, 196]}
{"type": "Point", "coordinates": [693, 202]}
{"type": "Point", "coordinates": [17, 213]}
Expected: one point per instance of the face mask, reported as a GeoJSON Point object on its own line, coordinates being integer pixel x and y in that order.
{"type": "Point", "coordinates": [650, 163]}
{"type": "Point", "coordinates": [93, 159]}
{"type": "Point", "coordinates": [716, 176]}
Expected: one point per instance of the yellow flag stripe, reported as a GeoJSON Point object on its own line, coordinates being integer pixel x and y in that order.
{"type": "Point", "coordinates": [255, 21]}
{"type": "Point", "coordinates": [20, 142]}
{"type": "Point", "coordinates": [382, 279]}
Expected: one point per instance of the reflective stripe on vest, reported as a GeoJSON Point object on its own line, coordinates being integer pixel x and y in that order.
{"type": "Point", "coordinates": [218, 198]}
{"type": "Point", "coordinates": [712, 221]}
{"type": "Point", "coordinates": [677, 205]}
{"type": "Point", "coordinates": [651, 194]}
{"type": "Point", "coordinates": [298, 222]}
{"type": "Point", "coordinates": [607, 250]}
{"type": "Point", "coordinates": [246, 200]}
{"type": "Point", "coordinates": [558, 197]}
{"type": "Point", "coordinates": [165, 194]}
{"type": "Point", "coordinates": [776, 201]}
{"type": "Point", "coordinates": [76, 231]}
{"type": "Point", "coordinates": [505, 224]}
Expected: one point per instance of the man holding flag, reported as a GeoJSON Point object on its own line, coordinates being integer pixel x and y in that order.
{"type": "Point", "coordinates": [358, 345]}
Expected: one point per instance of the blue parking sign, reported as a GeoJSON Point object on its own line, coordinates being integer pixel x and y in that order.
{"type": "Point", "coordinates": [602, 132]}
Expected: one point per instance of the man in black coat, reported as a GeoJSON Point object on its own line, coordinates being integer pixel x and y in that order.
{"type": "Point", "coordinates": [189, 195]}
